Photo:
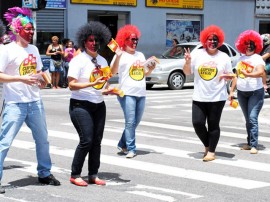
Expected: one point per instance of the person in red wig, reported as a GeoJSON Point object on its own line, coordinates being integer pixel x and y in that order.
{"type": "Point", "coordinates": [208, 65]}
{"type": "Point", "coordinates": [250, 90]}
{"type": "Point", "coordinates": [128, 63]}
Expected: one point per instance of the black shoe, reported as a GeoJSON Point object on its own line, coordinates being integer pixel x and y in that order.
{"type": "Point", "coordinates": [2, 189]}
{"type": "Point", "coordinates": [50, 180]}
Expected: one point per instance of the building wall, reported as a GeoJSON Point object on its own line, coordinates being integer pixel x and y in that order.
{"type": "Point", "coordinates": [233, 16]}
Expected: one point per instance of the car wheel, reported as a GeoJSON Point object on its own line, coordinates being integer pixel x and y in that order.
{"type": "Point", "coordinates": [176, 81]}
{"type": "Point", "coordinates": [149, 86]}
{"type": "Point", "coordinates": [229, 85]}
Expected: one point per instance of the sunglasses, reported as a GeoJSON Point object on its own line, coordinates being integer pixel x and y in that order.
{"type": "Point", "coordinates": [134, 39]}
{"type": "Point", "coordinates": [94, 61]}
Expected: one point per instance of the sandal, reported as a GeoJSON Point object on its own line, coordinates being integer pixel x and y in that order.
{"type": "Point", "coordinates": [78, 181]}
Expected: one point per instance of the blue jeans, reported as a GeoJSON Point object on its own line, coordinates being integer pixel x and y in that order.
{"type": "Point", "coordinates": [133, 108]}
{"type": "Point", "coordinates": [251, 103]}
{"type": "Point", "coordinates": [33, 114]}
{"type": "Point", "coordinates": [89, 119]}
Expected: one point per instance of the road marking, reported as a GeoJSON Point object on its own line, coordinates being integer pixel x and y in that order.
{"type": "Point", "coordinates": [189, 129]}
{"type": "Point", "coordinates": [154, 196]}
{"type": "Point", "coordinates": [157, 168]}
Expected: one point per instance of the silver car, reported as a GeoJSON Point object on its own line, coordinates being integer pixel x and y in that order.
{"type": "Point", "coordinates": [170, 69]}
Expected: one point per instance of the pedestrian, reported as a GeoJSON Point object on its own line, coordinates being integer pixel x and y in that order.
{"type": "Point", "coordinates": [56, 51]}
{"type": "Point", "coordinates": [68, 55]}
{"type": "Point", "coordinates": [209, 65]}
{"type": "Point", "coordinates": [2, 32]}
{"type": "Point", "coordinates": [128, 63]}
{"type": "Point", "coordinates": [265, 53]}
{"type": "Point", "coordinates": [87, 108]}
{"type": "Point", "coordinates": [19, 63]}
{"type": "Point", "coordinates": [173, 51]}
{"type": "Point", "coordinates": [250, 90]}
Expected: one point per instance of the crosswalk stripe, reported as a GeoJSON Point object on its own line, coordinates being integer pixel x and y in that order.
{"type": "Point", "coordinates": [157, 168]}
{"type": "Point", "coordinates": [166, 151]}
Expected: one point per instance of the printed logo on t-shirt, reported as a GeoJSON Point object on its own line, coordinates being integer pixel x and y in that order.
{"type": "Point", "coordinates": [208, 70]}
{"type": "Point", "coordinates": [95, 74]}
{"type": "Point", "coordinates": [243, 65]}
{"type": "Point", "coordinates": [136, 71]}
{"type": "Point", "coordinates": [28, 65]}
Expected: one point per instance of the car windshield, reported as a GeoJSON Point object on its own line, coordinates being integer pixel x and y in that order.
{"type": "Point", "coordinates": [178, 51]}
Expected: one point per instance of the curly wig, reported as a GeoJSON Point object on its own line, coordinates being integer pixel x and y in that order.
{"type": "Point", "coordinates": [125, 32]}
{"type": "Point", "coordinates": [17, 18]}
{"type": "Point", "coordinates": [99, 30]}
{"type": "Point", "coordinates": [212, 30]}
{"type": "Point", "coordinates": [247, 36]}
{"type": "Point", "coordinates": [2, 28]}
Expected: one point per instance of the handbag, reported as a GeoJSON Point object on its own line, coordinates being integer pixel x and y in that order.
{"type": "Point", "coordinates": [57, 63]}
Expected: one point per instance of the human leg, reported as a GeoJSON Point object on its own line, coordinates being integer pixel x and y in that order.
{"type": "Point", "coordinates": [255, 104]}
{"type": "Point", "coordinates": [12, 120]}
{"type": "Point", "coordinates": [83, 123]}
{"type": "Point", "coordinates": [199, 120]}
{"type": "Point", "coordinates": [129, 109]}
{"type": "Point", "coordinates": [243, 102]}
{"type": "Point", "coordinates": [99, 116]}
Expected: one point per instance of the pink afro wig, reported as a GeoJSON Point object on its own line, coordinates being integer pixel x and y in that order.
{"type": "Point", "coordinates": [125, 32]}
{"type": "Point", "coordinates": [247, 36]}
{"type": "Point", "coordinates": [17, 18]}
{"type": "Point", "coordinates": [212, 30]}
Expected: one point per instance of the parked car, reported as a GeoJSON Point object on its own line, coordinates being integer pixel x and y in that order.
{"type": "Point", "coordinates": [170, 69]}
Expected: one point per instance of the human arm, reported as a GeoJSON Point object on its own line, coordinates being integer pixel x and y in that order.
{"type": "Point", "coordinates": [115, 63]}
{"type": "Point", "coordinates": [48, 50]}
{"type": "Point", "coordinates": [73, 83]}
{"type": "Point", "coordinates": [254, 74]}
{"type": "Point", "coordinates": [27, 79]}
{"type": "Point", "coordinates": [233, 86]}
{"type": "Point", "coordinates": [150, 68]}
{"type": "Point", "coordinates": [187, 65]}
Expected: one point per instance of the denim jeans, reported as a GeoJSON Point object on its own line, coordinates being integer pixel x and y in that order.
{"type": "Point", "coordinates": [133, 108]}
{"type": "Point", "coordinates": [33, 114]}
{"type": "Point", "coordinates": [89, 120]}
{"type": "Point", "coordinates": [251, 103]}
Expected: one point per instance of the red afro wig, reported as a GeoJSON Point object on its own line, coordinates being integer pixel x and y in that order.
{"type": "Point", "coordinates": [212, 30]}
{"type": "Point", "coordinates": [125, 32]}
{"type": "Point", "coordinates": [247, 36]}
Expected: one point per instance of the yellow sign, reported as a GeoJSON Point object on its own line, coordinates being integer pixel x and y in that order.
{"type": "Point", "coordinates": [107, 2]}
{"type": "Point", "coordinates": [186, 4]}
{"type": "Point", "coordinates": [208, 71]}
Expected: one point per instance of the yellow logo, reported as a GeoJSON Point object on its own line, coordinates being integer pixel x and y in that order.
{"type": "Point", "coordinates": [208, 71]}
{"type": "Point", "coordinates": [99, 72]}
{"type": "Point", "coordinates": [243, 66]}
{"type": "Point", "coordinates": [28, 65]}
{"type": "Point", "coordinates": [136, 71]}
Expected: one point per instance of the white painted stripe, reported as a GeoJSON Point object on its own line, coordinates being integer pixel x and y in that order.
{"type": "Point", "coordinates": [190, 129]}
{"type": "Point", "coordinates": [154, 196]}
{"type": "Point", "coordinates": [170, 191]}
{"type": "Point", "coordinates": [157, 168]}
{"type": "Point", "coordinates": [13, 199]}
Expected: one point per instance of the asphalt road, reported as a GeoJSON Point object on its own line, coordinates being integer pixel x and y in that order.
{"type": "Point", "coordinates": [168, 166]}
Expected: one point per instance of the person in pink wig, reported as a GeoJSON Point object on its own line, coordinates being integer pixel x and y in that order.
{"type": "Point", "coordinates": [127, 62]}
{"type": "Point", "coordinates": [250, 90]}
{"type": "Point", "coordinates": [210, 94]}
{"type": "Point", "coordinates": [20, 71]}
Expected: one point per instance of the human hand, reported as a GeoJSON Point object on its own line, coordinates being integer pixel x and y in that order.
{"type": "Point", "coordinates": [99, 80]}
{"type": "Point", "coordinates": [151, 66]}
{"type": "Point", "coordinates": [29, 79]}
{"type": "Point", "coordinates": [119, 51]}
{"type": "Point", "coordinates": [187, 55]}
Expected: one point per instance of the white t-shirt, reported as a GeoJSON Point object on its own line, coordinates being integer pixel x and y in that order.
{"type": "Point", "coordinates": [131, 74]}
{"type": "Point", "coordinates": [80, 68]}
{"type": "Point", "coordinates": [248, 83]}
{"type": "Point", "coordinates": [207, 70]}
{"type": "Point", "coordinates": [16, 60]}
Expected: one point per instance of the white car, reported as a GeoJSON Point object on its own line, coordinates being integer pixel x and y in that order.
{"type": "Point", "coordinates": [170, 69]}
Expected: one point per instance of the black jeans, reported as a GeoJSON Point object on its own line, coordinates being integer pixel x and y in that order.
{"type": "Point", "coordinates": [89, 120]}
{"type": "Point", "coordinates": [210, 111]}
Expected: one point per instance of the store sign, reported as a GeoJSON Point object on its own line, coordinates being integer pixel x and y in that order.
{"type": "Point", "coordinates": [186, 4]}
{"type": "Point", "coordinates": [60, 4]}
{"type": "Point", "coordinates": [107, 2]}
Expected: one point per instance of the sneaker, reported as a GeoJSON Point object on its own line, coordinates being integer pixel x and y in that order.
{"type": "Point", "coordinates": [246, 147]}
{"type": "Point", "coordinates": [50, 180]}
{"type": "Point", "coordinates": [253, 150]}
{"type": "Point", "coordinates": [2, 189]}
{"type": "Point", "coordinates": [130, 155]}
{"type": "Point", "coordinates": [122, 150]}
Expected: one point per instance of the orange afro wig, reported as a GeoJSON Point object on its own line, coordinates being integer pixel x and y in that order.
{"type": "Point", "coordinates": [247, 36]}
{"type": "Point", "coordinates": [212, 30]}
{"type": "Point", "coordinates": [125, 32]}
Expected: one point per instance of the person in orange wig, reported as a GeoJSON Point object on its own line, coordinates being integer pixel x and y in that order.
{"type": "Point", "coordinates": [209, 66]}
{"type": "Point", "coordinates": [250, 90]}
{"type": "Point", "coordinates": [128, 63]}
